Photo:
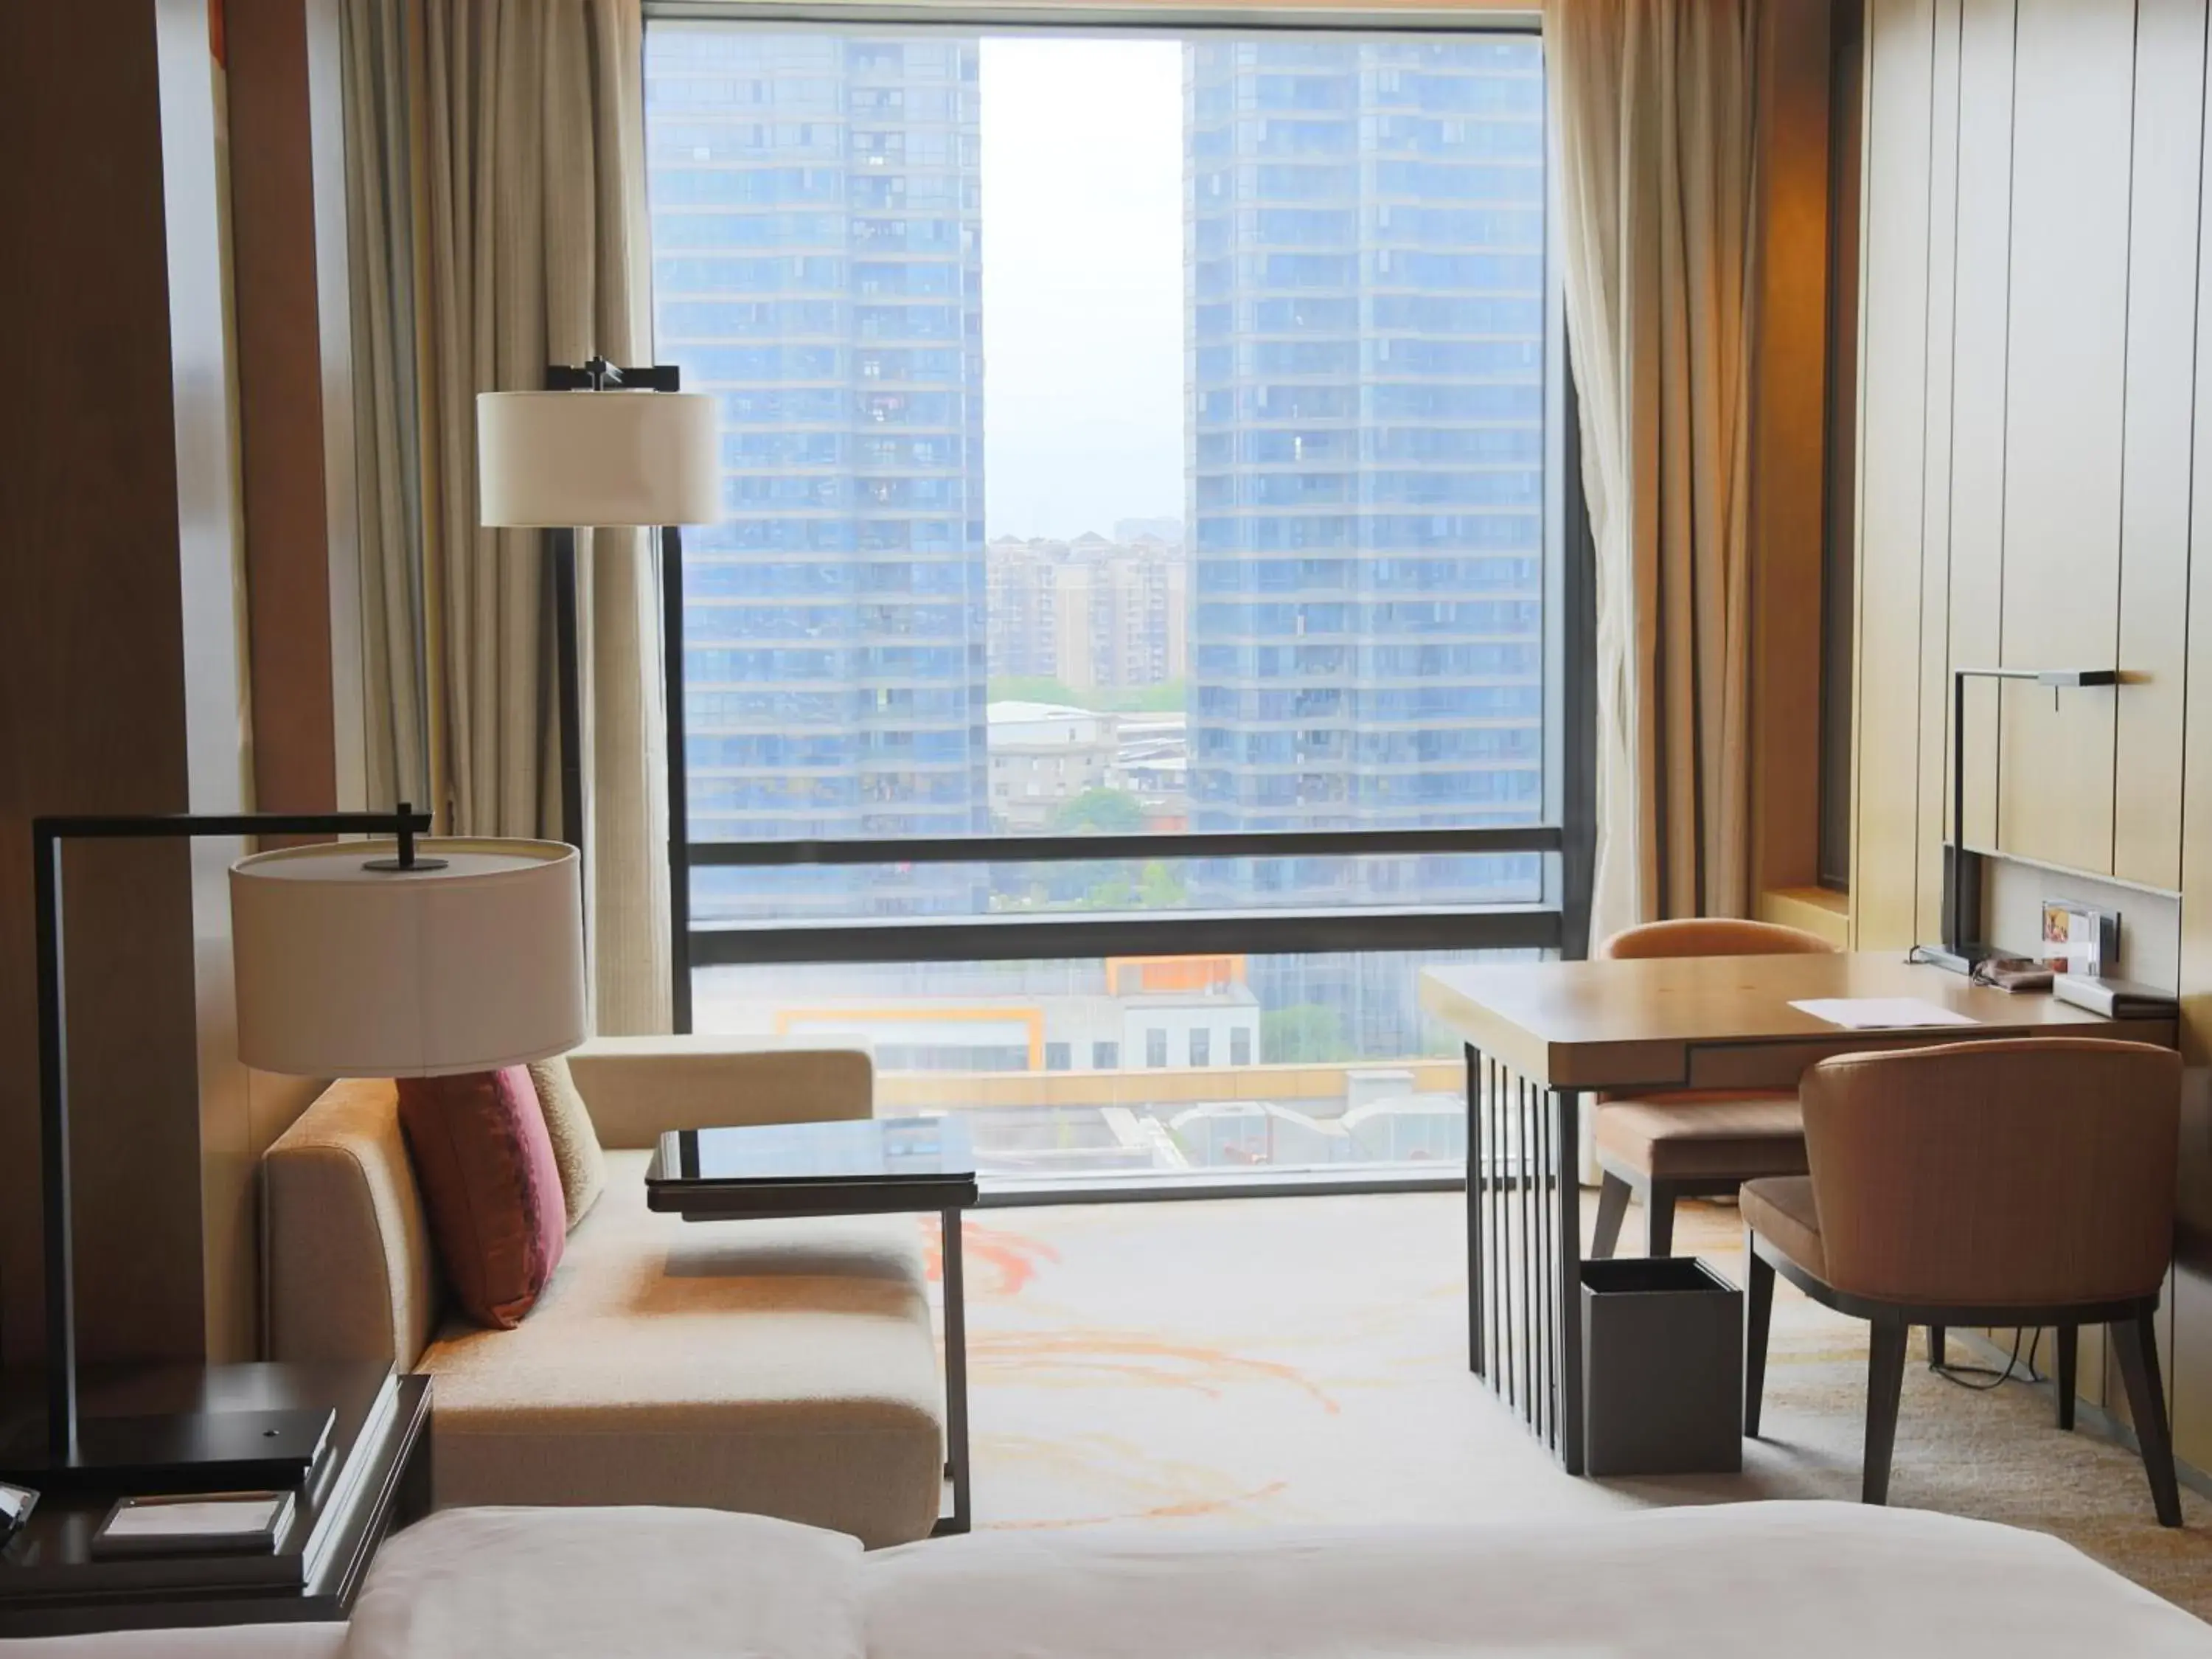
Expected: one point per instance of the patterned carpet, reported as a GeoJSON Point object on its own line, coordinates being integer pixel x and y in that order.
{"type": "Point", "coordinates": [1292, 1360]}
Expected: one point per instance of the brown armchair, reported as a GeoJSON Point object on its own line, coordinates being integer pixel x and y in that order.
{"type": "Point", "coordinates": [1662, 1147]}
{"type": "Point", "coordinates": [2006, 1183]}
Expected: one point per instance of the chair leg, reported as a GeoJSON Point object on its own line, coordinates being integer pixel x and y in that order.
{"type": "Point", "coordinates": [1885, 1383]}
{"type": "Point", "coordinates": [1611, 1211]}
{"type": "Point", "coordinates": [1758, 1315]}
{"type": "Point", "coordinates": [1659, 1220]}
{"type": "Point", "coordinates": [2136, 1343]}
{"type": "Point", "coordinates": [1935, 1356]}
{"type": "Point", "coordinates": [2069, 1343]}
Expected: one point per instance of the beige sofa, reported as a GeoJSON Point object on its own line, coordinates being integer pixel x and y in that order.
{"type": "Point", "coordinates": [785, 1368]}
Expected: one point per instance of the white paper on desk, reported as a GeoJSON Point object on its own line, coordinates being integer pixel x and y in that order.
{"type": "Point", "coordinates": [1874, 1013]}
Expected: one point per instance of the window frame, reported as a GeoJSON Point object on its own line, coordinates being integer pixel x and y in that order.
{"type": "Point", "coordinates": [1566, 836]}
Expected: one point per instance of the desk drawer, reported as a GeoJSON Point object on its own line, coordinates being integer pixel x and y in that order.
{"type": "Point", "coordinates": [1777, 1065]}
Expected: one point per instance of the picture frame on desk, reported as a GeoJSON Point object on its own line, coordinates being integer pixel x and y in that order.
{"type": "Point", "coordinates": [2080, 939]}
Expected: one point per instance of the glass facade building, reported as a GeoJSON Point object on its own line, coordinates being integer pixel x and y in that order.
{"type": "Point", "coordinates": [1338, 240]}
{"type": "Point", "coordinates": [817, 266]}
{"type": "Point", "coordinates": [1365, 350]}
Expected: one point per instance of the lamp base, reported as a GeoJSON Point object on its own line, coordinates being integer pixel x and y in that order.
{"type": "Point", "coordinates": [1962, 961]}
{"type": "Point", "coordinates": [183, 1452]}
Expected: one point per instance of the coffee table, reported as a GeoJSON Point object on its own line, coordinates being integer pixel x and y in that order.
{"type": "Point", "coordinates": [871, 1166]}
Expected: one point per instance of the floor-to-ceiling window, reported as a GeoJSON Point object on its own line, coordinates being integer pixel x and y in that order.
{"type": "Point", "coordinates": [1134, 643]}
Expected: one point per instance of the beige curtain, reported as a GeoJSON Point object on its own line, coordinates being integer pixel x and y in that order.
{"type": "Point", "coordinates": [380, 232]}
{"type": "Point", "coordinates": [1653, 104]}
{"type": "Point", "coordinates": [524, 127]}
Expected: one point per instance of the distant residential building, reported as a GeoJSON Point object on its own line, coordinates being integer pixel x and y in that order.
{"type": "Point", "coordinates": [1044, 754]}
{"type": "Point", "coordinates": [818, 270]}
{"type": "Point", "coordinates": [1169, 531]}
{"type": "Point", "coordinates": [1151, 1014]}
{"type": "Point", "coordinates": [1093, 613]}
{"type": "Point", "coordinates": [1366, 327]}
{"type": "Point", "coordinates": [1152, 762]}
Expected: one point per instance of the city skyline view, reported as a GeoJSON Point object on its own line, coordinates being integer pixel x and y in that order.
{"type": "Point", "coordinates": [1119, 436]}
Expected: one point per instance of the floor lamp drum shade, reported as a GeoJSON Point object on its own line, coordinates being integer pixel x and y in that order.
{"type": "Point", "coordinates": [348, 971]}
{"type": "Point", "coordinates": [563, 459]}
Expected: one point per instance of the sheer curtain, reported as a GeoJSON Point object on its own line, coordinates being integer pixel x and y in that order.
{"type": "Point", "coordinates": [516, 126]}
{"type": "Point", "coordinates": [1654, 106]}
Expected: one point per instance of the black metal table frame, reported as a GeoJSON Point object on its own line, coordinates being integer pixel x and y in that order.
{"type": "Point", "coordinates": [766, 1200]}
{"type": "Point", "coordinates": [1524, 1248]}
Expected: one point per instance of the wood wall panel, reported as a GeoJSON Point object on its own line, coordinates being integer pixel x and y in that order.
{"type": "Point", "coordinates": [2074, 86]}
{"type": "Point", "coordinates": [1932, 750]}
{"type": "Point", "coordinates": [2056, 455]}
{"type": "Point", "coordinates": [94, 665]}
{"type": "Point", "coordinates": [1789, 411]}
{"type": "Point", "coordinates": [2192, 1275]}
{"type": "Point", "coordinates": [1893, 435]}
{"type": "Point", "coordinates": [1983, 233]}
{"type": "Point", "coordinates": [2154, 601]}
{"type": "Point", "coordinates": [280, 404]}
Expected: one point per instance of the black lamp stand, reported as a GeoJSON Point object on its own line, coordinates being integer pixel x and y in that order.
{"type": "Point", "coordinates": [1962, 884]}
{"type": "Point", "coordinates": [196, 1451]}
{"type": "Point", "coordinates": [600, 375]}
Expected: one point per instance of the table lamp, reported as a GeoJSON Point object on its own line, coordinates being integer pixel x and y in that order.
{"type": "Point", "coordinates": [398, 959]}
{"type": "Point", "coordinates": [616, 448]}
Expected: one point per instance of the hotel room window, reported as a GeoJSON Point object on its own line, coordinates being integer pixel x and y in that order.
{"type": "Point", "coordinates": [1216, 524]}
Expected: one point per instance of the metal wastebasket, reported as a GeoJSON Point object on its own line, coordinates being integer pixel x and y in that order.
{"type": "Point", "coordinates": [1662, 1368]}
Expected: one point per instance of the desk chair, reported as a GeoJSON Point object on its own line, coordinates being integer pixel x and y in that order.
{"type": "Point", "coordinates": [1692, 1142]}
{"type": "Point", "coordinates": [2006, 1183]}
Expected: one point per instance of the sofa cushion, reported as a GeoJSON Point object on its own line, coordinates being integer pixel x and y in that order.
{"type": "Point", "coordinates": [784, 1367]}
{"type": "Point", "coordinates": [575, 1142]}
{"type": "Point", "coordinates": [490, 1185]}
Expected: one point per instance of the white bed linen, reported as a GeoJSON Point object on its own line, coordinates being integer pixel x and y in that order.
{"type": "Point", "coordinates": [1800, 1579]}
{"type": "Point", "coordinates": [220, 1641]}
{"type": "Point", "coordinates": [605, 1583]}
{"type": "Point", "coordinates": [1808, 1580]}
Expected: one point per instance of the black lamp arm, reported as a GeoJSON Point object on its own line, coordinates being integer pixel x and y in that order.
{"type": "Point", "coordinates": [598, 374]}
{"type": "Point", "coordinates": [47, 835]}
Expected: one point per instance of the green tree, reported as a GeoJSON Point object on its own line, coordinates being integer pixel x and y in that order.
{"type": "Point", "coordinates": [1165, 698]}
{"type": "Point", "coordinates": [1100, 812]}
{"type": "Point", "coordinates": [1303, 1033]}
{"type": "Point", "coordinates": [1036, 688]}
{"type": "Point", "coordinates": [1160, 888]}
{"type": "Point", "coordinates": [1115, 893]}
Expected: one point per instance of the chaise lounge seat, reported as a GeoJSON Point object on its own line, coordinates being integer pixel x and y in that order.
{"type": "Point", "coordinates": [785, 1368]}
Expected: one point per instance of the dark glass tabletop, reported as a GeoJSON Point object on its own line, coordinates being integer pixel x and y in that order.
{"type": "Point", "coordinates": [925, 1149]}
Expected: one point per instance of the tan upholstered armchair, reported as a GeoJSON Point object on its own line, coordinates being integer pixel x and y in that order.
{"type": "Point", "coordinates": [1692, 1142]}
{"type": "Point", "coordinates": [2006, 1183]}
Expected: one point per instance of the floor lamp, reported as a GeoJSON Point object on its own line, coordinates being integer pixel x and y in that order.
{"type": "Point", "coordinates": [604, 447]}
{"type": "Point", "coordinates": [408, 958]}
{"type": "Point", "coordinates": [1962, 890]}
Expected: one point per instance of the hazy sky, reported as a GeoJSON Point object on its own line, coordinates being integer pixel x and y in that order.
{"type": "Point", "coordinates": [1082, 283]}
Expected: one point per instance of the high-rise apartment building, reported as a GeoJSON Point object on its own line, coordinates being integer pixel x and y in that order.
{"type": "Point", "coordinates": [1094, 614]}
{"type": "Point", "coordinates": [1366, 330]}
{"type": "Point", "coordinates": [819, 267]}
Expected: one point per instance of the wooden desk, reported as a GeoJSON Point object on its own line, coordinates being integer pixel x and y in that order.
{"type": "Point", "coordinates": [1539, 1036]}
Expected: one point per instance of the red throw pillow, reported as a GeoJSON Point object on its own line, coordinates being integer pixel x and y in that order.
{"type": "Point", "coordinates": [491, 1185]}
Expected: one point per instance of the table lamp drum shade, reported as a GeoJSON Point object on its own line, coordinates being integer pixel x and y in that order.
{"type": "Point", "coordinates": [344, 971]}
{"type": "Point", "coordinates": [561, 459]}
